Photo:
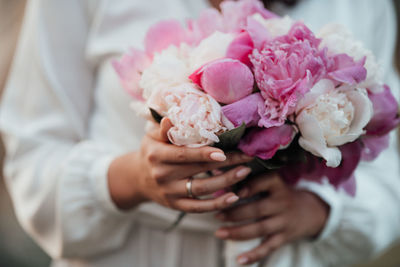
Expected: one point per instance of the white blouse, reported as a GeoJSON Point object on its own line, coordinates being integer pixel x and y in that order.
{"type": "Point", "coordinates": [64, 118]}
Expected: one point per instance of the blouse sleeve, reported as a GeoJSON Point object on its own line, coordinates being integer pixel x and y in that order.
{"type": "Point", "coordinates": [56, 175]}
{"type": "Point", "coordinates": [362, 227]}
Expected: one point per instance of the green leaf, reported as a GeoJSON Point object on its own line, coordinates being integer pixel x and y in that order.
{"type": "Point", "coordinates": [156, 116]}
{"type": "Point", "coordinates": [230, 139]}
{"type": "Point", "coordinates": [270, 164]}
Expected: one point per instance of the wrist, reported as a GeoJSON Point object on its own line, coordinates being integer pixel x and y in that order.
{"type": "Point", "coordinates": [320, 213]}
{"type": "Point", "coordinates": [124, 182]}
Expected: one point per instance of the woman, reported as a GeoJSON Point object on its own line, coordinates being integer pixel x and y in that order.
{"type": "Point", "coordinates": [93, 189]}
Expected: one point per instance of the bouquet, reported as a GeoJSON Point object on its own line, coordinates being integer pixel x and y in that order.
{"type": "Point", "coordinates": [308, 105]}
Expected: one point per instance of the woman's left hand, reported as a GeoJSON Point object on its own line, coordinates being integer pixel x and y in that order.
{"type": "Point", "coordinates": [283, 215]}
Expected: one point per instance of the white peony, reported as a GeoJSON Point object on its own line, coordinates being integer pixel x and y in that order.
{"type": "Point", "coordinates": [276, 26]}
{"type": "Point", "coordinates": [339, 40]}
{"type": "Point", "coordinates": [168, 69]}
{"type": "Point", "coordinates": [212, 48]}
{"type": "Point", "coordinates": [329, 117]}
{"type": "Point", "coordinates": [195, 115]}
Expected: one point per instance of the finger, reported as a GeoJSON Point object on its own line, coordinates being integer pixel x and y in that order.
{"type": "Point", "coordinates": [208, 205]}
{"type": "Point", "coordinates": [253, 230]}
{"type": "Point", "coordinates": [262, 183]}
{"type": "Point", "coordinates": [207, 186]}
{"type": "Point", "coordinates": [171, 172]}
{"type": "Point", "coordinates": [253, 210]}
{"type": "Point", "coordinates": [178, 154]}
{"type": "Point", "coordinates": [263, 250]}
{"type": "Point", "coordinates": [161, 133]}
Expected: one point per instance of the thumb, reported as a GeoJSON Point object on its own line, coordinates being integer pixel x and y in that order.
{"type": "Point", "coordinates": [160, 133]}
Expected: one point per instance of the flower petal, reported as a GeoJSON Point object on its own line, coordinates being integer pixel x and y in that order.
{"type": "Point", "coordinates": [362, 115]}
{"type": "Point", "coordinates": [245, 110]}
{"type": "Point", "coordinates": [258, 33]}
{"type": "Point", "coordinates": [240, 48]}
{"type": "Point", "coordinates": [313, 140]}
{"type": "Point", "coordinates": [163, 34]}
{"type": "Point", "coordinates": [212, 48]}
{"type": "Point", "coordinates": [373, 146]}
{"type": "Point", "coordinates": [314, 169]}
{"type": "Point", "coordinates": [385, 116]}
{"type": "Point", "coordinates": [235, 13]}
{"type": "Point", "coordinates": [345, 70]}
{"type": "Point", "coordinates": [209, 21]}
{"type": "Point", "coordinates": [129, 68]}
{"type": "Point", "coordinates": [320, 88]}
{"type": "Point", "coordinates": [350, 186]}
{"type": "Point", "coordinates": [264, 143]}
{"type": "Point", "coordinates": [226, 80]}
{"type": "Point", "coordinates": [351, 153]}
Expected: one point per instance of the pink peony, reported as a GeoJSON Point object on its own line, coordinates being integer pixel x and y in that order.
{"type": "Point", "coordinates": [226, 80]}
{"type": "Point", "coordinates": [285, 69]}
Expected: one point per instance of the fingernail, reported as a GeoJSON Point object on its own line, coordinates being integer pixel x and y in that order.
{"type": "Point", "coordinates": [243, 172]}
{"type": "Point", "coordinates": [218, 156]}
{"type": "Point", "coordinates": [243, 260]}
{"type": "Point", "coordinates": [220, 216]}
{"type": "Point", "coordinates": [232, 199]}
{"type": "Point", "coordinates": [221, 233]}
{"type": "Point", "coordinates": [243, 193]}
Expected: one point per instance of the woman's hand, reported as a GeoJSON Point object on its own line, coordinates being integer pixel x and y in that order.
{"type": "Point", "coordinates": [283, 215]}
{"type": "Point", "coordinates": [159, 172]}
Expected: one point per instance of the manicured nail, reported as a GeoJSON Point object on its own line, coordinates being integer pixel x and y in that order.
{"type": "Point", "coordinates": [243, 172]}
{"type": "Point", "coordinates": [232, 199]}
{"type": "Point", "coordinates": [221, 233]}
{"type": "Point", "coordinates": [218, 156]}
{"type": "Point", "coordinates": [243, 260]}
{"type": "Point", "coordinates": [244, 193]}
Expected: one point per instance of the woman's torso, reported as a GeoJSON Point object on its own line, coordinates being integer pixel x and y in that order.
{"type": "Point", "coordinates": [118, 25]}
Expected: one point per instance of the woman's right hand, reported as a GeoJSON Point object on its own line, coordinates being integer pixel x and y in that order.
{"type": "Point", "coordinates": [159, 172]}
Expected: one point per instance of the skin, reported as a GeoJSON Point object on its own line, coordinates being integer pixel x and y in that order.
{"type": "Point", "coordinates": [283, 216]}
{"type": "Point", "coordinates": [159, 171]}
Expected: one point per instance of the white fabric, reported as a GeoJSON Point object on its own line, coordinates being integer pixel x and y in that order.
{"type": "Point", "coordinates": [65, 117]}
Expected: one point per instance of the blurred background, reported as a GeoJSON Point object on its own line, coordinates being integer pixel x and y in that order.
{"type": "Point", "coordinates": [16, 248]}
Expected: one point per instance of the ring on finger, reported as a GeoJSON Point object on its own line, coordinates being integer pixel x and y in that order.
{"type": "Point", "coordinates": [189, 185]}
